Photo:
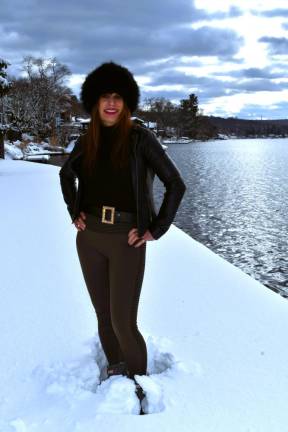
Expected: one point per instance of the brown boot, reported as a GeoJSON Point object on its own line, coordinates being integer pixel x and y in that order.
{"type": "Point", "coordinates": [140, 394]}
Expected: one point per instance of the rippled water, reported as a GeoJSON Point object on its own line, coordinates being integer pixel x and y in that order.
{"type": "Point", "coordinates": [236, 203]}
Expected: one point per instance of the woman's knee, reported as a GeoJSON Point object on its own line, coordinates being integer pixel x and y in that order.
{"type": "Point", "coordinates": [123, 327]}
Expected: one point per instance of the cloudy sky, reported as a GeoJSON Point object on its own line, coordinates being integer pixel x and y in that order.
{"type": "Point", "coordinates": [231, 53]}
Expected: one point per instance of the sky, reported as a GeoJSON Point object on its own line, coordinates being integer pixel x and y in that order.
{"type": "Point", "coordinates": [231, 54]}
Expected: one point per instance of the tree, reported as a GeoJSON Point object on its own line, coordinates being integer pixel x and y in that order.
{"type": "Point", "coordinates": [188, 116]}
{"type": "Point", "coordinates": [206, 130]}
{"type": "Point", "coordinates": [184, 119]}
{"type": "Point", "coordinates": [38, 98]}
{"type": "Point", "coordinates": [159, 110]}
{"type": "Point", "coordinates": [4, 89]}
{"type": "Point", "coordinates": [4, 83]}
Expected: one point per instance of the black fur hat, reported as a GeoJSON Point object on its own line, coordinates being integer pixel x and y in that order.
{"type": "Point", "coordinates": [110, 77]}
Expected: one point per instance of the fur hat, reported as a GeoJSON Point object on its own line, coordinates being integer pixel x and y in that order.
{"type": "Point", "coordinates": [110, 77]}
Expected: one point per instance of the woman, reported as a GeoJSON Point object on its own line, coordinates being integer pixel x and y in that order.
{"type": "Point", "coordinates": [115, 162]}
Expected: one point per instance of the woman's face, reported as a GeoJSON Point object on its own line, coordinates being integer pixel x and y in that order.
{"type": "Point", "coordinates": [110, 108]}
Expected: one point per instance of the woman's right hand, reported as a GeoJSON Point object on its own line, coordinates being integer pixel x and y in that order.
{"type": "Point", "coordinates": [79, 222]}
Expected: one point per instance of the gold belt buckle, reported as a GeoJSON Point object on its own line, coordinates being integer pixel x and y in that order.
{"type": "Point", "coordinates": [104, 220]}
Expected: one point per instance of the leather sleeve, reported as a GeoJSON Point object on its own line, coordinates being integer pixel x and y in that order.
{"type": "Point", "coordinates": [68, 181]}
{"type": "Point", "coordinates": [167, 171]}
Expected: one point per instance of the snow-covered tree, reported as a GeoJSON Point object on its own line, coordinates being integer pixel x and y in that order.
{"type": "Point", "coordinates": [4, 83]}
{"type": "Point", "coordinates": [5, 86]}
{"type": "Point", "coordinates": [36, 99]}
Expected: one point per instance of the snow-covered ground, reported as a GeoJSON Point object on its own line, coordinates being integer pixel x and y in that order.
{"type": "Point", "coordinates": [15, 150]}
{"type": "Point", "coordinates": [175, 140]}
{"type": "Point", "coordinates": [216, 338]}
{"type": "Point", "coordinates": [34, 151]}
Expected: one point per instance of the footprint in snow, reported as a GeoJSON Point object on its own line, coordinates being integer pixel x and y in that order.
{"type": "Point", "coordinates": [86, 378]}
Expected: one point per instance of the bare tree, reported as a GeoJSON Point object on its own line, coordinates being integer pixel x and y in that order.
{"type": "Point", "coordinates": [38, 98]}
{"type": "Point", "coordinates": [159, 110]}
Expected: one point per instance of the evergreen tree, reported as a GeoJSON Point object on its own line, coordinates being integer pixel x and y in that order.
{"type": "Point", "coordinates": [188, 116]}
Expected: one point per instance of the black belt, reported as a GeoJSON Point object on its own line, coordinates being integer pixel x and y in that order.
{"type": "Point", "coordinates": [110, 215]}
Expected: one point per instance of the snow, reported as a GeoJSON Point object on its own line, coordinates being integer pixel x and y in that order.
{"type": "Point", "coordinates": [12, 150]}
{"type": "Point", "coordinates": [182, 140]}
{"type": "Point", "coordinates": [70, 146]}
{"type": "Point", "coordinates": [32, 150]}
{"type": "Point", "coordinates": [217, 351]}
{"type": "Point", "coordinates": [4, 82]}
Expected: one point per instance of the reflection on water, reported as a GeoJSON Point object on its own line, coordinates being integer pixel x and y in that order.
{"type": "Point", "coordinates": [236, 203]}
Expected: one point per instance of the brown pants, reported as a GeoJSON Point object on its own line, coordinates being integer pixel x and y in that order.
{"type": "Point", "coordinates": [113, 272]}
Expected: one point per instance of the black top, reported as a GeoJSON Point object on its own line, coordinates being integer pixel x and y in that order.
{"type": "Point", "coordinates": [108, 185]}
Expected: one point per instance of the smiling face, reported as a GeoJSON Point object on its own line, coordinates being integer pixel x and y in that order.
{"type": "Point", "coordinates": [110, 108]}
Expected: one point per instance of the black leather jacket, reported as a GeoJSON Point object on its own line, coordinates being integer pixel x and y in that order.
{"type": "Point", "coordinates": [147, 157]}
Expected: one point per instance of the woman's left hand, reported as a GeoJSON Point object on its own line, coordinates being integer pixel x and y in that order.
{"type": "Point", "coordinates": [133, 236]}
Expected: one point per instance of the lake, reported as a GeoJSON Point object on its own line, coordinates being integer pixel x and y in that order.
{"type": "Point", "coordinates": [236, 203]}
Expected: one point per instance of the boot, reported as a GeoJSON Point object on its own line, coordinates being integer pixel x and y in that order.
{"type": "Point", "coordinates": [140, 394]}
{"type": "Point", "coordinates": [117, 369]}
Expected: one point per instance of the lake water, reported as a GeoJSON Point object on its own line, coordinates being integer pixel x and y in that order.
{"type": "Point", "coordinates": [236, 203]}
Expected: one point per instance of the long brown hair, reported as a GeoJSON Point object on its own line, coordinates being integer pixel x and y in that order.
{"type": "Point", "coordinates": [120, 150]}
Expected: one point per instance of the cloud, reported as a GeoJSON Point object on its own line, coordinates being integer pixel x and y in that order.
{"type": "Point", "coordinates": [82, 35]}
{"type": "Point", "coordinates": [205, 41]}
{"type": "Point", "coordinates": [259, 84]}
{"type": "Point", "coordinates": [276, 45]}
{"type": "Point", "coordinates": [278, 12]}
{"type": "Point", "coordinates": [246, 81]}
{"type": "Point", "coordinates": [253, 73]}
{"type": "Point", "coordinates": [270, 111]}
{"type": "Point", "coordinates": [153, 39]}
{"type": "Point", "coordinates": [232, 12]}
